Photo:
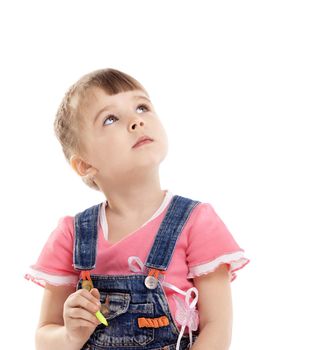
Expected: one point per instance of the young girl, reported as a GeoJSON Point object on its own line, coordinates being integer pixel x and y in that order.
{"type": "Point", "coordinates": [157, 265]}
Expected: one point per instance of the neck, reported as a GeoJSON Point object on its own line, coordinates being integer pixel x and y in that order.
{"type": "Point", "coordinates": [134, 197]}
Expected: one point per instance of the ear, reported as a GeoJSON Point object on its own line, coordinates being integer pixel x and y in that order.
{"type": "Point", "coordinates": [81, 167]}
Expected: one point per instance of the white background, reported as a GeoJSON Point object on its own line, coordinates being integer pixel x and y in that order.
{"type": "Point", "coordinates": [236, 86]}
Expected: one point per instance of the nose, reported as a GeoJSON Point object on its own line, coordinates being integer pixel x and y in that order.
{"type": "Point", "coordinates": [134, 124]}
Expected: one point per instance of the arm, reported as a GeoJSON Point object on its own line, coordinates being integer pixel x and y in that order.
{"type": "Point", "coordinates": [215, 310]}
{"type": "Point", "coordinates": [66, 319]}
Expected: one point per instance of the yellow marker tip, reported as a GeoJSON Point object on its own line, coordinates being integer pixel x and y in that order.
{"type": "Point", "coordinates": [101, 318]}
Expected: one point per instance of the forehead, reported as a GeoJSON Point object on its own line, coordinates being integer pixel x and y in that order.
{"type": "Point", "coordinates": [97, 98]}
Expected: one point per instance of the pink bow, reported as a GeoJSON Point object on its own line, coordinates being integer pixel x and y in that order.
{"type": "Point", "coordinates": [186, 314]}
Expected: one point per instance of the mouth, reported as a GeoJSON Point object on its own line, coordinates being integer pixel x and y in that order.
{"type": "Point", "coordinates": [142, 141]}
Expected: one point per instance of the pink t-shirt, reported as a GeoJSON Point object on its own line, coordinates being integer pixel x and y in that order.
{"type": "Point", "coordinates": [203, 245]}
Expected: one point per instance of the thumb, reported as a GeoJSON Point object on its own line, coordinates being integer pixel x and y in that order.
{"type": "Point", "coordinates": [95, 292]}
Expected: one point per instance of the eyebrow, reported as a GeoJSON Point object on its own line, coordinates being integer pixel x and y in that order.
{"type": "Point", "coordinates": [110, 106]}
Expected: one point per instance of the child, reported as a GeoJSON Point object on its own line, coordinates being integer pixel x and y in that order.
{"type": "Point", "coordinates": [158, 266]}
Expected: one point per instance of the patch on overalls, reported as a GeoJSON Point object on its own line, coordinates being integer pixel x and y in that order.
{"type": "Point", "coordinates": [153, 322]}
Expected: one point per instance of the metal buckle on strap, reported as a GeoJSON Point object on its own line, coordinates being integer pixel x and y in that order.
{"type": "Point", "coordinates": [86, 280]}
{"type": "Point", "coordinates": [151, 281]}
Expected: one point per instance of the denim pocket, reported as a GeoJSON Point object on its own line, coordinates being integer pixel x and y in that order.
{"type": "Point", "coordinates": [118, 303]}
{"type": "Point", "coordinates": [142, 336]}
{"type": "Point", "coordinates": [122, 329]}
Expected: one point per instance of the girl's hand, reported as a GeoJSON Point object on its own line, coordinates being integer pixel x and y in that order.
{"type": "Point", "coordinates": [79, 314]}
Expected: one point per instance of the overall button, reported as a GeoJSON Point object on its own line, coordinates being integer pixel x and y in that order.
{"type": "Point", "coordinates": [151, 282]}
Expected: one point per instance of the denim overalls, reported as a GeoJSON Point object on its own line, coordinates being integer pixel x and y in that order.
{"type": "Point", "coordinates": [138, 313]}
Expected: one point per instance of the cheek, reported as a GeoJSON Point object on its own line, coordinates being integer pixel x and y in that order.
{"type": "Point", "coordinates": [163, 138]}
{"type": "Point", "coordinates": [163, 133]}
{"type": "Point", "coordinates": [96, 147]}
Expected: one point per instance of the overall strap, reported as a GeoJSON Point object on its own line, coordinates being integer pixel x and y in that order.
{"type": "Point", "coordinates": [172, 225]}
{"type": "Point", "coordinates": [85, 240]}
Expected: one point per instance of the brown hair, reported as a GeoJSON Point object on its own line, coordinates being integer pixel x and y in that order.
{"type": "Point", "coordinates": [67, 123]}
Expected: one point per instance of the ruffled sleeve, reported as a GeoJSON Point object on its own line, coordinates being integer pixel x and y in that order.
{"type": "Point", "coordinates": [55, 262]}
{"type": "Point", "coordinates": [210, 244]}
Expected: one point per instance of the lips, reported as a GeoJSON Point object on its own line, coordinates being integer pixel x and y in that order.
{"type": "Point", "coordinates": [141, 140]}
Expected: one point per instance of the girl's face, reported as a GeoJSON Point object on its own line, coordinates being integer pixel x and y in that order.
{"type": "Point", "coordinates": [112, 125]}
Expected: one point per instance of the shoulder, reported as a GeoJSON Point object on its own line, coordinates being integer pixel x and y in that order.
{"type": "Point", "coordinates": [61, 238]}
{"type": "Point", "coordinates": [204, 213]}
{"type": "Point", "coordinates": [64, 231]}
{"type": "Point", "coordinates": [66, 224]}
{"type": "Point", "coordinates": [201, 213]}
{"type": "Point", "coordinates": [206, 226]}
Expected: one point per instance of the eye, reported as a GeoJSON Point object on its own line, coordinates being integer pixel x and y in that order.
{"type": "Point", "coordinates": [143, 106]}
{"type": "Point", "coordinates": [109, 118]}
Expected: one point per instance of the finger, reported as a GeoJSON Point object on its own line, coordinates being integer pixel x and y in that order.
{"type": "Point", "coordinates": [79, 322]}
{"type": "Point", "coordinates": [95, 293]}
{"type": "Point", "coordinates": [82, 314]}
{"type": "Point", "coordinates": [91, 297]}
{"type": "Point", "coordinates": [80, 300]}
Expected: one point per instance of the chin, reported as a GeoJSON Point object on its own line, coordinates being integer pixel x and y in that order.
{"type": "Point", "coordinates": [151, 162]}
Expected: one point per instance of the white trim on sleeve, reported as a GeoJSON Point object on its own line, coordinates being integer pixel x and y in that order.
{"type": "Point", "coordinates": [236, 261]}
{"type": "Point", "coordinates": [42, 278]}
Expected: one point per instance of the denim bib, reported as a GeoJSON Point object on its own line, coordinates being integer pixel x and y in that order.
{"type": "Point", "coordinates": [138, 314]}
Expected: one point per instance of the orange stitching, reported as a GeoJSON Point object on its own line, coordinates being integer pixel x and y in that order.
{"type": "Point", "coordinates": [155, 273]}
{"type": "Point", "coordinates": [141, 322]}
{"type": "Point", "coordinates": [85, 275]}
{"type": "Point", "coordinates": [153, 322]}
